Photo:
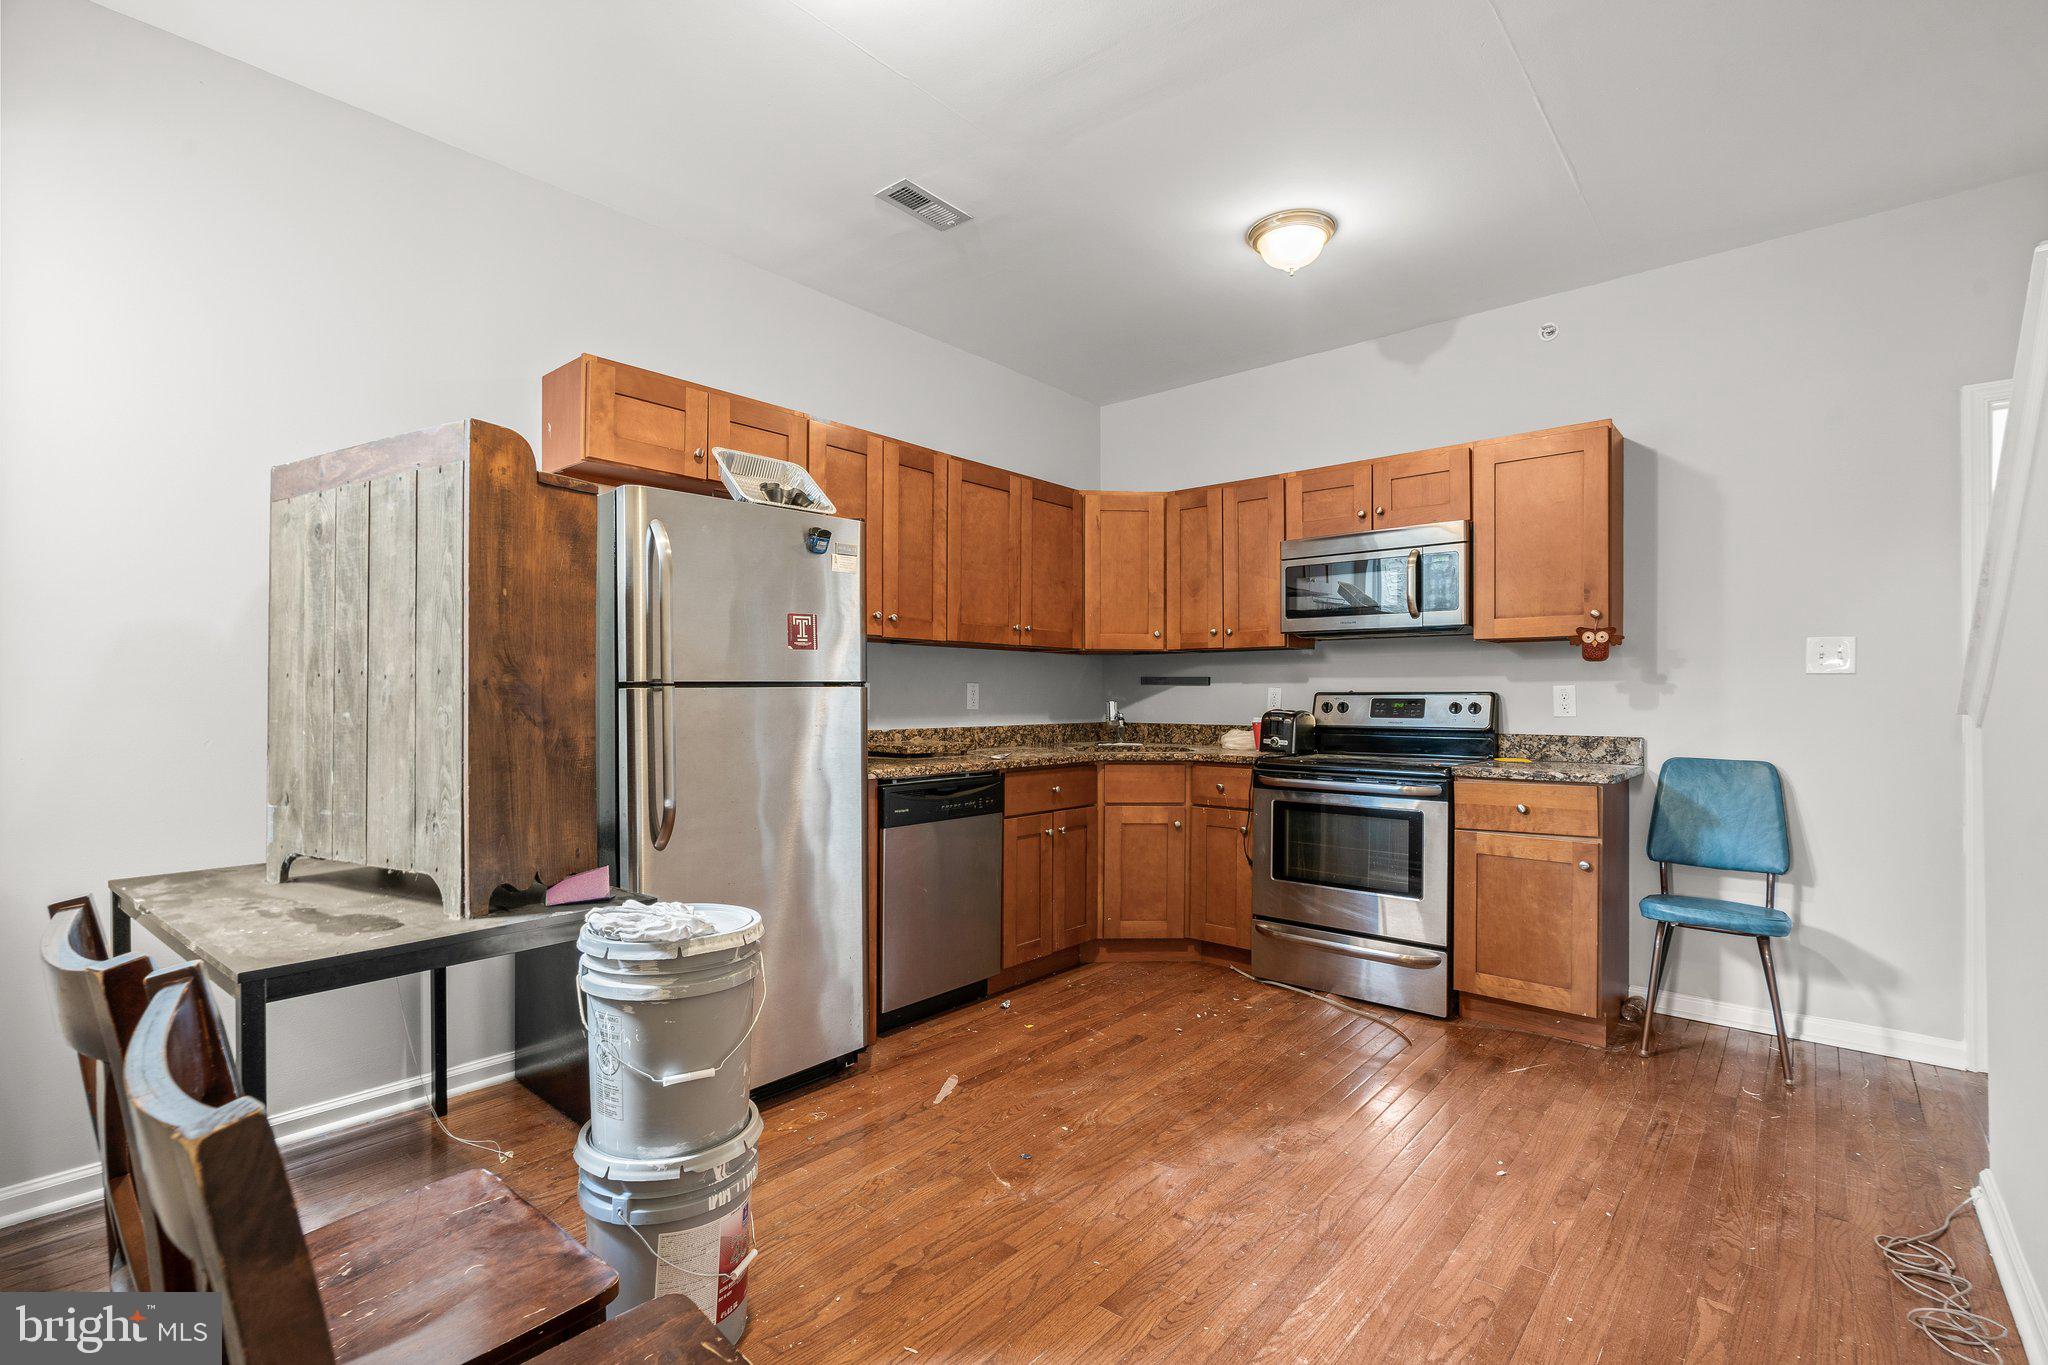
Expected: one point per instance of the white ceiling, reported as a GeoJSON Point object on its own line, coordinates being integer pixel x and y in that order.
{"type": "Point", "coordinates": [1474, 152]}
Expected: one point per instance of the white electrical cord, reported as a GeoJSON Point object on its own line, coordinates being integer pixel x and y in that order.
{"type": "Point", "coordinates": [1330, 1000]}
{"type": "Point", "coordinates": [1928, 1271]}
{"type": "Point", "coordinates": [412, 1061]}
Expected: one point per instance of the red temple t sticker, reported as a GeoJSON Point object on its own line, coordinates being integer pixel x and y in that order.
{"type": "Point", "coordinates": [803, 630]}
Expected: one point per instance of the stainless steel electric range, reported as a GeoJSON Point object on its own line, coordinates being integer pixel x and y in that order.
{"type": "Point", "coordinates": [1351, 849]}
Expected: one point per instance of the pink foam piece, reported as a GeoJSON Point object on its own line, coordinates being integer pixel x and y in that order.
{"type": "Point", "coordinates": [594, 885]}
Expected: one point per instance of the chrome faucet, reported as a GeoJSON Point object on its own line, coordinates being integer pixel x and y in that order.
{"type": "Point", "coordinates": [1116, 719]}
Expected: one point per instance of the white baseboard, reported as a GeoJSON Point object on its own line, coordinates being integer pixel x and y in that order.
{"type": "Point", "coordinates": [63, 1190]}
{"type": "Point", "coordinates": [2015, 1276]}
{"type": "Point", "coordinates": [1885, 1042]}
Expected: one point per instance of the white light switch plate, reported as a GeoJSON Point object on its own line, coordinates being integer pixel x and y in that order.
{"type": "Point", "coordinates": [1564, 700]}
{"type": "Point", "coordinates": [1272, 699]}
{"type": "Point", "coordinates": [1830, 654]}
{"type": "Point", "coordinates": [974, 696]}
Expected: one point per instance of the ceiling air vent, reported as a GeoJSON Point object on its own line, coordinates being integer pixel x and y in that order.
{"type": "Point", "coordinates": [923, 205]}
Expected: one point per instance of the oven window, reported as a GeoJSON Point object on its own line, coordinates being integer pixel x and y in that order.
{"type": "Point", "coordinates": [1348, 848]}
{"type": "Point", "coordinates": [1374, 586]}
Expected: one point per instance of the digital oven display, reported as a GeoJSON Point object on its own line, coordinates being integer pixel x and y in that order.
{"type": "Point", "coordinates": [1397, 708]}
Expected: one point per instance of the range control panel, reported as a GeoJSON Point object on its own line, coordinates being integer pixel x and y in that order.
{"type": "Point", "coordinates": [1408, 710]}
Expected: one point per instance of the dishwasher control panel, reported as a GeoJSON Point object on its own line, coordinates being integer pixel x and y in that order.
{"type": "Point", "coordinates": [924, 800]}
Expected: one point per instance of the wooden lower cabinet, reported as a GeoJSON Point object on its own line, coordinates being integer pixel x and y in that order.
{"type": "Point", "coordinates": [1048, 863]}
{"type": "Point", "coordinates": [1220, 876]}
{"type": "Point", "coordinates": [1540, 936]}
{"type": "Point", "coordinates": [1144, 871]}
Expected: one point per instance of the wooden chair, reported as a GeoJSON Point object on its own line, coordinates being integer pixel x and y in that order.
{"type": "Point", "coordinates": [663, 1329]}
{"type": "Point", "coordinates": [99, 1002]}
{"type": "Point", "coordinates": [1726, 814]}
{"type": "Point", "coordinates": [462, 1270]}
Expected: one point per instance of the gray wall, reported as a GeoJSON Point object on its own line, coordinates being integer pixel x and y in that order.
{"type": "Point", "coordinates": [209, 271]}
{"type": "Point", "coordinates": [1792, 469]}
{"type": "Point", "coordinates": [2015, 750]}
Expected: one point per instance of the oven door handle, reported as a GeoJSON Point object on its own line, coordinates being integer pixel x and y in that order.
{"type": "Point", "coordinates": [1419, 961]}
{"type": "Point", "coordinates": [1352, 788]}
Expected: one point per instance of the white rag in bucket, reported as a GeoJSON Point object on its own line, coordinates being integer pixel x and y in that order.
{"type": "Point", "coordinates": [660, 922]}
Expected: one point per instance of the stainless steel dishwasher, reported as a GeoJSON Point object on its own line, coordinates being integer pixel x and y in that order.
{"type": "Point", "coordinates": [942, 892]}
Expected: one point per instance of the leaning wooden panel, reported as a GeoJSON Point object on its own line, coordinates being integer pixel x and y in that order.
{"type": "Point", "coordinates": [433, 683]}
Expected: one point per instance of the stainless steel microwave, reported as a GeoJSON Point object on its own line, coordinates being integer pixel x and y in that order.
{"type": "Point", "coordinates": [1407, 580]}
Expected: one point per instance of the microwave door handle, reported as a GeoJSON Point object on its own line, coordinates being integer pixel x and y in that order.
{"type": "Point", "coordinates": [1392, 959]}
{"type": "Point", "coordinates": [661, 763]}
{"type": "Point", "coordinates": [1415, 584]}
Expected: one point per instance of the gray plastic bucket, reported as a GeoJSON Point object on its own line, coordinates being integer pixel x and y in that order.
{"type": "Point", "coordinates": [668, 1024]}
{"type": "Point", "coordinates": [683, 1225]}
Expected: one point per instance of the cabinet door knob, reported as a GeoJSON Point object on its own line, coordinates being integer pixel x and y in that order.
{"type": "Point", "coordinates": [1361, 514]}
{"type": "Point", "coordinates": [1244, 829]}
{"type": "Point", "coordinates": [1047, 831]}
{"type": "Point", "coordinates": [1014, 627]}
{"type": "Point", "coordinates": [1585, 866]}
{"type": "Point", "coordinates": [1595, 613]}
{"type": "Point", "coordinates": [1219, 786]}
{"type": "Point", "coordinates": [1230, 630]}
{"type": "Point", "coordinates": [1379, 511]}
{"type": "Point", "coordinates": [1155, 634]}
{"type": "Point", "coordinates": [1061, 830]}
{"type": "Point", "coordinates": [878, 616]}
{"type": "Point", "coordinates": [1027, 630]}
{"type": "Point", "coordinates": [1521, 809]}
{"type": "Point", "coordinates": [1212, 630]}
{"type": "Point", "coordinates": [698, 453]}
{"type": "Point", "coordinates": [1055, 791]}
{"type": "Point", "coordinates": [1176, 824]}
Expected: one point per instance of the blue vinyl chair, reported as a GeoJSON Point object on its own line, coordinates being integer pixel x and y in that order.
{"type": "Point", "coordinates": [1727, 814]}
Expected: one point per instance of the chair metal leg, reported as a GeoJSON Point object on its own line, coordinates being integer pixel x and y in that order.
{"type": "Point", "coordinates": [1763, 947]}
{"type": "Point", "coordinates": [1657, 951]}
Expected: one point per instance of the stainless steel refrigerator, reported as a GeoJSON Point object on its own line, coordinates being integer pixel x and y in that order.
{"type": "Point", "coordinates": [732, 716]}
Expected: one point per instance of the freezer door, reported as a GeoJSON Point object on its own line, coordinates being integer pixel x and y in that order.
{"type": "Point", "coordinates": [713, 591]}
{"type": "Point", "coordinates": [767, 785]}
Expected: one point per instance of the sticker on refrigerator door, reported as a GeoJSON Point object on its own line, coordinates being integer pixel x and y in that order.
{"type": "Point", "coordinates": [803, 630]}
{"type": "Point", "coordinates": [845, 557]}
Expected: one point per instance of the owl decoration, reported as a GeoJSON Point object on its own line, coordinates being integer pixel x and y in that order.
{"type": "Point", "coordinates": [1594, 642]}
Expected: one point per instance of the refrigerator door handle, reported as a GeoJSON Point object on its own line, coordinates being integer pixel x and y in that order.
{"type": "Point", "coordinates": [661, 771]}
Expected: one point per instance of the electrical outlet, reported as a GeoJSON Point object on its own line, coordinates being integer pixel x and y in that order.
{"type": "Point", "coordinates": [1830, 654]}
{"type": "Point", "coordinates": [1272, 699]}
{"type": "Point", "coordinates": [974, 696]}
{"type": "Point", "coordinates": [1564, 700]}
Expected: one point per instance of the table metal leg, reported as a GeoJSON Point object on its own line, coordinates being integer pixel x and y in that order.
{"type": "Point", "coordinates": [251, 1044]}
{"type": "Point", "coordinates": [121, 927]}
{"type": "Point", "coordinates": [437, 1024]}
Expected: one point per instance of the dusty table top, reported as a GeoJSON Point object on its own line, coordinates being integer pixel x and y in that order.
{"type": "Point", "coordinates": [328, 915]}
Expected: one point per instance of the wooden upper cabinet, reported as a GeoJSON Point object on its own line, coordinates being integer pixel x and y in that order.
{"type": "Point", "coordinates": [1546, 533]}
{"type": "Point", "coordinates": [758, 428]}
{"type": "Point", "coordinates": [984, 530]}
{"type": "Point", "coordinates": [614, 423]}
{"type": "Point", "coordinates": [1254, 523]}
{"type": "Point", "coordinates": [1051, 572]}
{"type": "Point", "coordinates": [1528, 920]}
{"type": "Point", "coordinates": [1422, 486]}
{"type": "Point", "coordinates": [1220, 876]}
{"type": "Point", "coordinates": [1194, 569]}
{"type": "Point", "coordinates": [1335, 500]}
{"type": "Point", "coordinates": [847, 463]}
{"type": "Point", "coordinates": [1144, 871]}
{"type": "Point", "coordinates": [913, 542]}
{"type": "Point", "coordinates": [1125, 571]}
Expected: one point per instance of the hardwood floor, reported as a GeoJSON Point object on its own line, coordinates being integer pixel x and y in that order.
{"type": "Point", "coordinates": [1154, 1161]}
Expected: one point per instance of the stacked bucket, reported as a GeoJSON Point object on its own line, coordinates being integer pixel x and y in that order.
{"type": "Point", "coordinates": [670, 995]}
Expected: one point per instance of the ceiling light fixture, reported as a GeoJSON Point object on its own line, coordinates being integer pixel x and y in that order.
{"type": "Point", "coordinates": [1291, 238]}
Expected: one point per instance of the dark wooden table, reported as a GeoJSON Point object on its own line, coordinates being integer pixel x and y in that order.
{"type": "Point", "coordinates": [330, 926]}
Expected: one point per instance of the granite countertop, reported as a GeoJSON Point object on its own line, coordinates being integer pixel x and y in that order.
{"type": "Point", "coordinates": [1599, 760]}
{"type": "Point", "coordinates": [953, 750]}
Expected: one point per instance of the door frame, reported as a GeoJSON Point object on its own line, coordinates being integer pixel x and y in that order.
{"type": "Point", "coordinates": [1977, 404]}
